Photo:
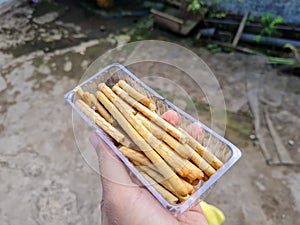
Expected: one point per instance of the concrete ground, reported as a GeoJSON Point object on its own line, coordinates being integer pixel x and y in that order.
{"type": "Point", "coordinates": [45, 179]}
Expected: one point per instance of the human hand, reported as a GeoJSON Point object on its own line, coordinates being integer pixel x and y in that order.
{"type": "Point", "coordinates": [124, 202]}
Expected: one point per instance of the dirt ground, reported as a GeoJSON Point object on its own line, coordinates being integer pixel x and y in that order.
{"type": "Point", "coordinates": [45, 179]}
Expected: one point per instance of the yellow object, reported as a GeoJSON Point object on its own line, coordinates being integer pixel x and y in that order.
{"type": "Point", "coordinates": [213, 215]}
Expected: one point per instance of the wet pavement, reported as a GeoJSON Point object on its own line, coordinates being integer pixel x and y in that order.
{"type": "Point", "coordinates": [43, 177]}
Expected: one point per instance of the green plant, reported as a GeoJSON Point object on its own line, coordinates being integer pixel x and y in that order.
{"type": "Point", "coordinates": [283, 61]}
{"type": "Point", "coordinates": [269, 22]}
{"type": "Point", "coordinates": [195, 5]}
{"type": "Point", "coordinates": [214, 48]}
{"type": "Point", "coordinates": [258, 38]}
{"type": "Point", "coordinates": [250, 19]}
{"type": "Point", "coordinates": [218, 15]}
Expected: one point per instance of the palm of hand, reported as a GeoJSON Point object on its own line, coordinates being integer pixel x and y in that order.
{"type": "Point", "coordinates": [136, 206]}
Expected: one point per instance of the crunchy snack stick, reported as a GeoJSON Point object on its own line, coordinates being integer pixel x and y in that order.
{"type": "Point", "coordinates": [136, 156]}
{"type": "Point", "coordinates": [162, 135]}
{"type": "Point", "coordinates": [184, 151]}
{"type": "Point", "coordinates": [151, 115]}
{"type": "Point", "coordinates": [207, 155]}
{"type": "Point", "coordinates": [181, 166]}
{"type": "Point", "coordinates": [136, 95]}
{"type": "Point", "coordinates": [143, 164]}
{"type": "Point", "coordinates": [164, 169]}
{"type": "Point", "coordinates": [78, 90]}
{"type": "Point", "coordinates": [162, 191]}
{"type": "Point", "coordinates": [200, 162]}
{"type": "Point", "coordinates": [101, 122]}
{"type": "Point", "coordinates": [91, 100]}
{"type": "Point", "coordinates": [165, 183]}
{"type": "Point", "coordinates": [115, 99]}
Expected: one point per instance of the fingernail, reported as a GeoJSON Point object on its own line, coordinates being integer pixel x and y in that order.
{"type": "Point", "coordinates": [94, 139]}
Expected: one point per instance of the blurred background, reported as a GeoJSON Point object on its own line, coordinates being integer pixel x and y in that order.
{"type": "Point", "coordinates": [252, 47]}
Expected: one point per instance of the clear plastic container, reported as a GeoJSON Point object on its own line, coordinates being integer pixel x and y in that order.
{"type": "Point", "coordinates": [219, 146]}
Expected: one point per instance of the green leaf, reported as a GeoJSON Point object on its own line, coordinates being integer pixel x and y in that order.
{"type": "Point", "coordinates": [195, 5]}
{"type": "Point", "coordinates": [251, 18]}
{"type": "Point", "coordinates": [258, 38]}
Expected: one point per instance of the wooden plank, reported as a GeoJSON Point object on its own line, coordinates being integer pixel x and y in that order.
{"type": "Point", "coordinates": [240, 30]}
{"type": "Point", "coordinates": [174, 3]}
{"type": "Point", "coordinates": [282, 152]}
{"type": "Point", "coordinates": [167, 16]}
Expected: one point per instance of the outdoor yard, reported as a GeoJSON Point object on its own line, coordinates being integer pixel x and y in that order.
{"type": "Point", "coordinates": [48, 168]}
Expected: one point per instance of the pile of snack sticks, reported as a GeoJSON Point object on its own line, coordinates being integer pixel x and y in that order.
{"type": "Point", "coordinates": [169, 158]}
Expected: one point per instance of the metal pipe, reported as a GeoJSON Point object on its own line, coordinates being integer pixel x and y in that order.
{"type": "Point", "coordinates": [253, 25]}
{"type": "Point", "coordinates": [252, 38]}
{"type": "Point", "coordinates": [278, 42]}
{"type": "Point", "coordinates": [208, 32]}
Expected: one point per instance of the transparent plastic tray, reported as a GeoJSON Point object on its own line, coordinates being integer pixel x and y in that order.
{"type": "Point", "coordinates": [219, 146]}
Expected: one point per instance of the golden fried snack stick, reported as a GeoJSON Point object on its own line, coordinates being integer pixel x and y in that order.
{"type": "Point", "coordinates": [91, 100]}
{"type": "Point", "coordinates": [162, 135]}
{"type": "Point", "coordinates": [151, 115]}
{"type": "Point", "coordinates": [200, 162]}
{"type": "Point", "coordinates": [184, 151]}
{"type": "Point", "coordinates": [100, 108]}
{"type": "Point", "coordinates": [161, 190]}
{"type": "Point", "coordinates": [181, 166]}
{"type": "Point", "coordinates": [165, 183]}
{"type": "Point", "coordinates": [135, 156]}
{"type": "Point", "coordinates": [136, 95]}
{"type": "Point", "coordinates": [207, 155]}
{"type": "Point", "coordinates": [143, 145]}
{"type": "Point", "coordinates": [78, 90]}
{"type": "Point", "coordinates": [144, 164]}
{"type": "Point", "coordinates": [115, 99]}
{"type": "Point", "coordinates": [101, 122]}
{"type": "Point", "coordinates": [86, 98]}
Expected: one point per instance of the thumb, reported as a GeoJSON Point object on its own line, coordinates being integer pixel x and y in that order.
{"type": "Point", "coordinates": [113, 172]}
